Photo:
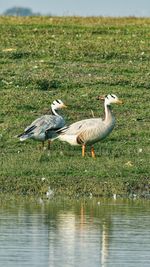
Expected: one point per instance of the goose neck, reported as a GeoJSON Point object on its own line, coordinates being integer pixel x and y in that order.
{"type": "Point", "coordinates": [108, 113]}
{"type": "Point", "coordinates": [53, 110]}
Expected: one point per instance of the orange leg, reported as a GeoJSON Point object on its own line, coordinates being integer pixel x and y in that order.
{"type": "Point", "coordinates": [83, 150]}
{"type": "Point", "coordinates": [49, 144]}
{"type": "Point", "coordinates": [92, 152]}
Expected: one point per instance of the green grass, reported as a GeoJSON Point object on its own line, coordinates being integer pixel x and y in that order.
{"type": "Point", "coordinates": [75, 59]}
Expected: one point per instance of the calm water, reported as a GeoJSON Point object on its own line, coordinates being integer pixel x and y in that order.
{"type": "Point", "coordinates": [94, 233]}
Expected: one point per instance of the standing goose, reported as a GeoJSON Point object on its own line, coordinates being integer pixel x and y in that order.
{"type": "Point", "coordinates": [37, 130]}
{"type": "Point", "coordinates": [90, 131]}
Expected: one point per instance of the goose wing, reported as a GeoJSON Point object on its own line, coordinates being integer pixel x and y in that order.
{"type": "Point", "coordinates": [44, 123]}
{"type": "Point", "coordinates": [82, 126]}
{"type": "Point", "coordinates": [53, 123]}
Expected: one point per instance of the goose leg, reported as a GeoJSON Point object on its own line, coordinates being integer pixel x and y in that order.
{"type": "Point", "coordinates": [42, 146]}
{"type": "Point", "coordinates": [83, 150]}
{"type": "Point", "coordinates": [49, 144]}
{"type": "Point", "coordinates": [92, 152]}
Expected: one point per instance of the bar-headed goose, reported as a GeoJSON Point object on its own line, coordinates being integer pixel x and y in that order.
{"type": "Point", "coordinates": [90, 131]}
{"type": "Point", "coordinates": [37, 130]}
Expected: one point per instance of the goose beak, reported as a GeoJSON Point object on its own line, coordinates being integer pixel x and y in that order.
{"type": "Point", "coordinates": [101, 97]}
{"type": "Point", "coordinates": [119, 101]}
{"type": "Point", "coordinates": [64, 106]}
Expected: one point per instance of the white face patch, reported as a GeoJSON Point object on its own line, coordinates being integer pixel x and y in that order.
{"type": "Point", "coordinates": [111, 98]}
{"type": "Point", "coordinates": [57, 104]}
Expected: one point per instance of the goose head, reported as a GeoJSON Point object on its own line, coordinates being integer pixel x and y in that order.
{"type": "Point", "coordinates": [57, 104]}
{"type": "Point", "coordinates": [110, 99]}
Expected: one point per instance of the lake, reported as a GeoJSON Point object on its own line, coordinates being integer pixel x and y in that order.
{"type": "Point", "coordinates": [65, 233]}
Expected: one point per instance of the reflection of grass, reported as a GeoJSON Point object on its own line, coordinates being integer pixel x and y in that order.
{"type": "Point", "coordinates": [75, 59]}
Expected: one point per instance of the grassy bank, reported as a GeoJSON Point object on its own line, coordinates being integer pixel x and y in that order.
{"type": "Point", "coordinates": [75, 59]}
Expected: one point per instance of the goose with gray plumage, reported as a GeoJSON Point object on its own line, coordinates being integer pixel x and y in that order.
{"type": "Point", "coordinates": [90, 131]}
{"type": "Point", "coordinates": [37, 130]}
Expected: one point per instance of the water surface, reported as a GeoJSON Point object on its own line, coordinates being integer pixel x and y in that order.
{"type": "Point", "coordinates": [74, 233]}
